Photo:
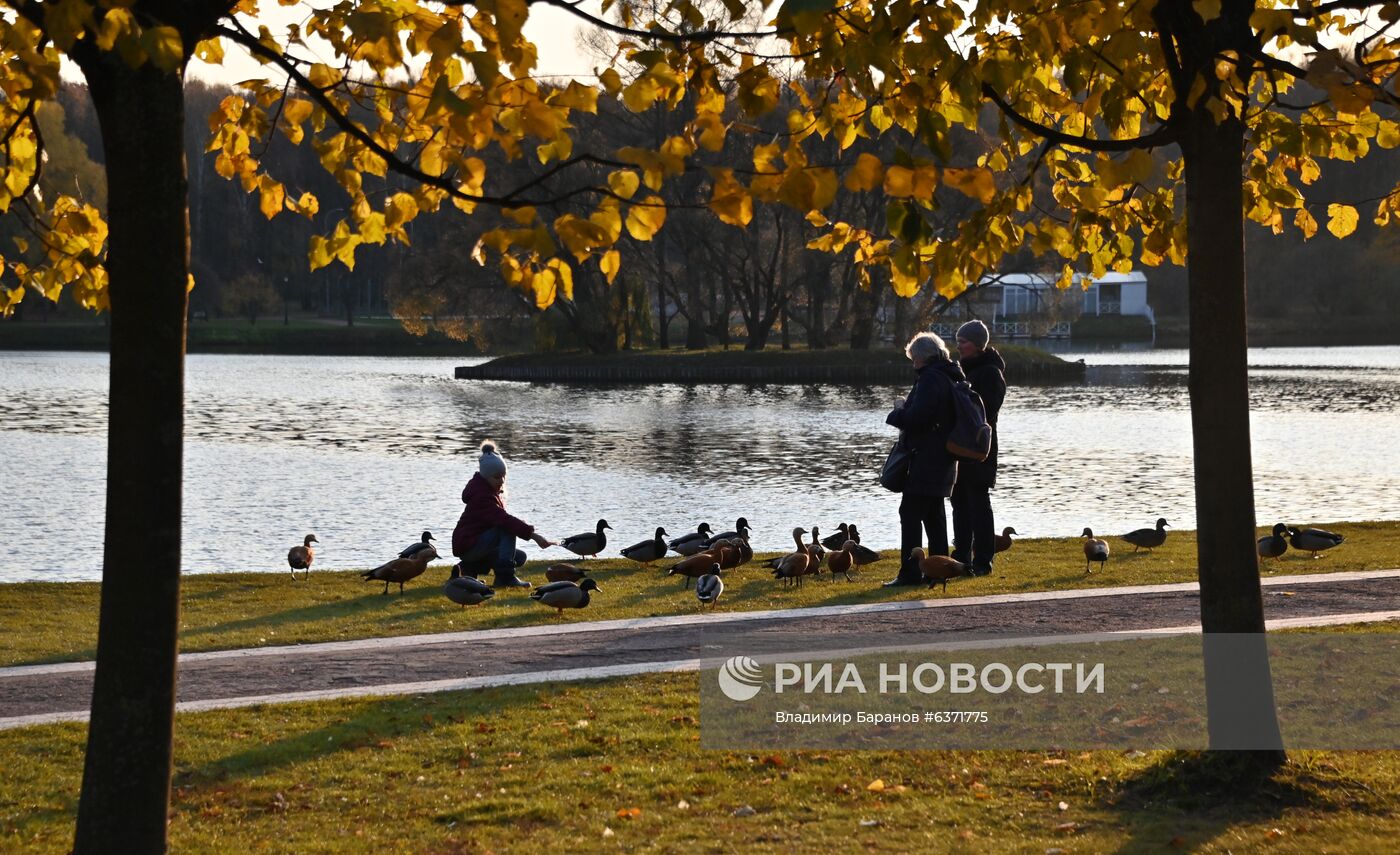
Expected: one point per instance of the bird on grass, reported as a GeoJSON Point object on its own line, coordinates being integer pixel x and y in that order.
{"type": "Point", "coordinates": [814, 548]}
{"type": "Point", "coordinates": [565, 595]}
{"type": "Point", "coordinates": [689, 544]}
{"type": "Point", "coordinates": [694, 567]}
{"type": "Point", "coordinates": [863, 555]}
{"type": "Point", "coordinates": [1148, 538]}
{"type": "Point", "coordinates": [1095, 549]}
{"type": "Point", "coordinates": [793, 566]}
{"type": "Point", "coordinates": [841, 560]}
{"type": "Point", "coordinates": [939, 568]}
{"type": "Point", "coordinates": [412, 549]}
{"type": "Point", "coordinates": [467, 591]}
{"type": "Point", "coordinates": [300, 557]}
{"type": "Point", "coordinates": [564, 573]}
{"type": "Point", "coordinates": [401, 570]}
{"type": "Point", "coordinates": [1313, 540]}
{"type": "Point", "coordinates": [1003, 540]}
{"type": "Point", "coordinates": [741, 529]}
{"type": "Point", "coordinates": [835, 541]}
{"type": "Point", "coordinates": [647, 551]}
{"type": "Point", "coordinates": [708, 588]}
{"type": "Point", "coordinates": [1274, 545]}
{"type": "Point", "coordinates": [589, 543]}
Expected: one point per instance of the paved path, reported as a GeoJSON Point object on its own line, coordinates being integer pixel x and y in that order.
{"type": "Point", "coordinates": [594, 649]}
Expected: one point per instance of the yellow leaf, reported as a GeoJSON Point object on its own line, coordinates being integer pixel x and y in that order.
{"type": "Point", "coordinates": [730, 201]}
{"type": "Point", "coordinates": [644, 220]}
{"type": "Point", "coordinates": [1209, 10]}
{"type": "Point", "coordinates": [624, 183]}
{"type": "Point", "coordinates": [609, 264]}
{"type": "Point", "coordinates": [877, 785]}
{"type": "Point", "coordinates": [899, 182]}
{"type": "Point", "coordinates": [867, 174]}
{"type": "Point", "coordinates": [1341, 219]}
{"type": "Point", "coordinates": [307, 205]}
{"type": "Point", "coordinates": [977, 183]}
{"type": "Point", "coordinates": [271, 197]}
{"type": "Point", "coordinates": [164, 47]}
{"type": "Point", "coordinates": [611, 80]}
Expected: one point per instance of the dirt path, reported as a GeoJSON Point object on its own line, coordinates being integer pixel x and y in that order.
{"type": "Point", "coordinates": [577, 650]}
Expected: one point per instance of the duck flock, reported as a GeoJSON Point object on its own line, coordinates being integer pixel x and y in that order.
{"type": "Point", "coordinates": [705, 556]}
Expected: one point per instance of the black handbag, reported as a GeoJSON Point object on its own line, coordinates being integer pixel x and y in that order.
{"type": "Point", "coordinates": [895, 473]}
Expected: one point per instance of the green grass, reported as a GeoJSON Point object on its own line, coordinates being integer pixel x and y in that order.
{"type": "Point", "coordinates": [618, 765]}
{"type": "Point", "coordinates": [54, 622]}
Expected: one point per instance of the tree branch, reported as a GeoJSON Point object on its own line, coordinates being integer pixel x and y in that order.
{"type": "Point", "coordinates": [1164, 134]}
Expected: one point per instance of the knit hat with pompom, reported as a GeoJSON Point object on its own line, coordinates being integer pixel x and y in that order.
{"type": "Point", "coordinates": [491, 463]}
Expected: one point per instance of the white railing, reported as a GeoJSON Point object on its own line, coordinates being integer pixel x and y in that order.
{"type": "Point", "coordinates": [1009, 329]}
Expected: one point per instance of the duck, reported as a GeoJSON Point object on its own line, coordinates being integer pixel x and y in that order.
{"type": "Point", "coordinates": [794, 564]}
{"type": "Point", "coordinates": [835, 541]}
{"type": "Point", "coordinates": [1274, 545]}
{"type": "Point", "coordinates": [689, 544]}
{"type": "Point", "coordinates": [300, 557]}
{"type": "Point", "coordinates": [648, 550]}
{"type": "Point", "coordinates": [1148, 538]}
{"type": "Point", "coordinates": [694, 567]}
{"type": "Point", "coordinates": [411, 549]}
{"type": "Point", "coordinates": [1313, 540]}
{"type": "Point", "coordinates": [853, 533]}
{"type": "Point", "coordinates": [565, 595]}
{"type": "Point", "coordinates": [564, 573]}
{"type": "Point", "coordinates": [1095, 549]}
{"type": "Point", "coordinates": [815, 550]}
{"type": "Point", "coordinates": [863, 555]}
{"type": "Point", "coordinates": [467, 591]}
{"type": "Point", "coordinates": [741, 529]}
{"type": "Point", "coordinates": [589, 543]}
{"type": "Point", "coordinates": [708, 588]}
{"type": "Point", "coordinates": [745, 551]}
{"type": "Point", "coordinates": [728, 553]}
{"type": "Point", "coordinates": [841, 560]}
{"type": "Point", "coordinates": [939, 568]}
{"type": "Point", "coordinates": [1003, 540]}
{"type": "Point", "coordinates": [402, 569]}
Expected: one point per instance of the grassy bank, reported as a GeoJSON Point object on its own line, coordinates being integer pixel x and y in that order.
{"type": "Point", "coordinates": [53, 622]}
{"type": "Point", "coordinates": [376, 337]}
{"type": "Point", "coordinates": [617, 765]}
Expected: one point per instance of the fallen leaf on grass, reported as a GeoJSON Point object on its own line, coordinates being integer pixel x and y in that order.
{"type": "Point", "coordinates": [877, 785]}
{"type": "Point", "coordinates": [869, 823]}
{"type": "Point", "coordinates": [1273, 834]}
{"type": "Point", "coordinates": [1053, 761]}
{"type": "Point", "coordinates": [629, 813]}
{"type": "Point", "coordinates": [1067, 828]}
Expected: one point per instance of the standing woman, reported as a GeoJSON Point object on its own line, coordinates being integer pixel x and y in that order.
{"type": "Point", "coordinates": [974, 529]}
{"type": "Point", "coordinates": [485, 532]}
{"type": "Point", "coordinates": [925, 419]}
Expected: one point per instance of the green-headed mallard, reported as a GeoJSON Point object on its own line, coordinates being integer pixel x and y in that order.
{"type": "Point", "coordinates": [708, 588]}
{"type": "Point", "coordinates": [1148, 538]}
{"type": "Point", "coordinates": [853, 532]}
{"type": "Point", "coordinates": [300, 557]}
{"type": "Point", "coordinates": [1313, 540]}
{"type": "Point", "coordinates": [412, 549]}
{"type": "Point", "coordinates": [589, 543]}
{"type": "Point", "coordinates": [1274, 545]}
{"type": "Point", "coordinates": [1094, 550]}
{"type": "Point", "coordinates": [565, 595]}
{"type": "Point", "coordinates": [467, 591]}
{"type": "Point", "coordinates": [741, 529]}
{"type": "Point", "coordinates": [938, 568]}
{"type": "Point", "coordinates": [648, 550]}
{"type": "Point", "coordinates": [402, 569]}
{"type": "Point", "coordinates": [689, 544]}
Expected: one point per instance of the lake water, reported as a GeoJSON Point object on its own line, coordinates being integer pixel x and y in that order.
{"type": "Point", "coordinates": [368, 452]}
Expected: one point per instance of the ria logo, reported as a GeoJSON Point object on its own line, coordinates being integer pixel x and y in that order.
{"type": "Point", "coordinates": [740, 678]}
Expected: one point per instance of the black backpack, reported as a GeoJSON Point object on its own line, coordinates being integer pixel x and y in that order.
{"type": "Point", "coordinates": [971, 436]}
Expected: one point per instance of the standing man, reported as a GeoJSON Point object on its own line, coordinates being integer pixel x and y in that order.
{"type": "Point", "coordinates": [974, 529]}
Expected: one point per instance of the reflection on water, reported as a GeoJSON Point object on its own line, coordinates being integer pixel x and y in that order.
{"type": "Point", "coordinates": [366, 452]}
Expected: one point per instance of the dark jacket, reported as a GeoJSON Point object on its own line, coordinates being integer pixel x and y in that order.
{"type": "Point", "coordinates": [485, 510]}
{"type": "Point", "coordinates": [926, 419]}
{"type": "Point", "coordinates": [987, 373]}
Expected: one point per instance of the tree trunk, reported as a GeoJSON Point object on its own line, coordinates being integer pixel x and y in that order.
{"type": "Point", "coordinates": [1239, 689]}
{"type": "Point", "coordinates": [695, 321]}
{"type": "Point", "coordinates": [863, 324]}
{"type": "Point", "coordinates": [126, 775]}
{"type": "Point", "coordinates": [787, 334]}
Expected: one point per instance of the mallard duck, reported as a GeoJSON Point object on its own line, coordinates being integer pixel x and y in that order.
{"type": "Point", "coordinates": [300, 557]}
{"type": "Point", "coordinates": [745, 551]}
{"type": "Point", "coordinates": [412, 549]}
{"type": "Point", "coordinates": [648, 550]}
{"type": "Point", "coordinates": [467, 591]}
{"type": "Point", "coordinates": [794, 564]}
{"type": "Point", "coordinates": [565, 595]}
{"type": "Point", "coordinates": [589, 543]}
{"type": "Point", "coordinates": [1313, 540]}
{"type": "Point", "coordinates": [939, 568]}
{"type": "Point", "coordinates": [741, 529]}
{"type": "Point", "coordinates": [841, 560]}
{"type": "Point", "coordinates": [402, 569]}
{"type": "Point", "coordinates": [834, 541]}
{"type": "Point", "coordinates": [1148, 538]}
{"type": "Point", "coordinates": [863, 555]}
{"type": "Point", "coordinates": [689, 544]}
{"type": "Point", "coordinates": [708, 588]}
{"type": "Point", "coordinates": [1274, 545]}
{"type": "Point", "coordinates": [815, 550]}
{"type": "Point", "coordinates": [694, 567]}
{"type": "Point", "coordinates": [853, 533]}
{"type": "Point", "coordinates": [1094, 550]}
{"type": "Point", "coordinates": [1003, 540]}
{"type": "Point", "coordinates": [564, 573]}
